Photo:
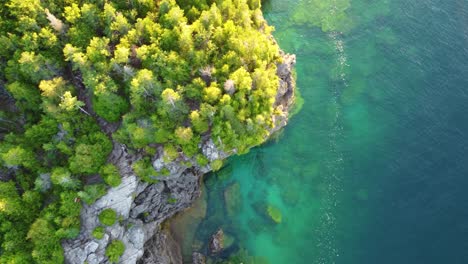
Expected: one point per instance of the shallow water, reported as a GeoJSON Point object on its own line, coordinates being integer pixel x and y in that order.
{"type": "Point", "coordinates": [374, 168]}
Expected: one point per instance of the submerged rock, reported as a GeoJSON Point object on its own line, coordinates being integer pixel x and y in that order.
{"type": "Point", "coordinates": [198, 258]}
{"type": "Point", "coordinates": [233, 199]}
{"type": "Point", "coordinates": [228, 240]}
{"type": "Point", "coordinates": [275, 214]}
{"type": "Point", "coordinates": [217, 242]}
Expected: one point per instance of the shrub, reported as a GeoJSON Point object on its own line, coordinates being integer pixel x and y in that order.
{"type": "Point", "coordinates": [92, 192]}
{"type": "Point", "coordinates": [202, 160]}
{"type": "Point", "coordinates": [172, 200]}
{"type": "Point", "coordinates": [115, 249]}
{"type": "Point", "coordinates": [216, 165]}
{"type": "Point", "coordinates": [98, 232]}
{"type": "Point", "coordinates": [108, 217]}
{"type": "Point", "coordinates": [111, 175]}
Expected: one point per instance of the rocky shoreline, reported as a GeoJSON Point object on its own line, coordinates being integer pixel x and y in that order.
{"type": "Point", "coordinates": [143, 207]}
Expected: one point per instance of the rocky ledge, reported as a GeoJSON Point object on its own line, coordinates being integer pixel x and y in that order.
{"type": "Point", "coordinates": [143, 207]}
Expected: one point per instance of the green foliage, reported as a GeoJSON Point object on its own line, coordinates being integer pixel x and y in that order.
{"type": "Point", "coordinates": [18, 156]}
{"type": "Point", "coordinates": [167, 74]}
{"type": "Point", "coordinates": [110, 106]}
{"type": "Point", "coordinates": [111, 175]}
{"type": "Point", "coordinates": [183, 135]}
{"type": "Point", "coordinates": [10, 203]}
{"type": "Point", "coordinates": [202, 160]}
{"type": "Point", "coordinates": [92, 192]}
{"type": "Point", "coordinates": [115, 249]}
{"type": "Point", "coordinates": [91, 154]}
{"type": "Point", "coordinates": [62, 176]}
{"type": "Point", "coordinates": [99, 232]}
{"type": "Point", "coordinates": [108, 217]}
{"type": "Point", "coordinates": [172, 200]}
{"type": "Point", "coordinates": [145, 170]}
{"type": "Point", "coordinates": [216, 164]}
{"type": "Point", "coordinates": [46, 246]}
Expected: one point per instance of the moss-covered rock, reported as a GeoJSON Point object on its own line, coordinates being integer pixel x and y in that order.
{"type": "Point", "coordinates": [275, 214]}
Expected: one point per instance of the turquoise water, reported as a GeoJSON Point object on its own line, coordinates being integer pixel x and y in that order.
{"type": "Point", "coordinates": [374, 167]}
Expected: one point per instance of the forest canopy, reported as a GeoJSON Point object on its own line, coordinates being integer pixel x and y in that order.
{"type": "Point", "coordinates": [77, 75]}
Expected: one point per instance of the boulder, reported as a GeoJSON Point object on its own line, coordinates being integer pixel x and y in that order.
{"type": "Point", "coordinates": [217, 242]}
{"type": "Point", "coordinates": [198, 258]}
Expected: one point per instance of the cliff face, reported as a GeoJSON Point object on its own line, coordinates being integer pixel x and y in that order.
{"type": "Point", "coordinates": [143, 207]}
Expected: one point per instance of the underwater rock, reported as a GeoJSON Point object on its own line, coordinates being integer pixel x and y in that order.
{"type": "Point", "coordinates": [275, 214]}
{"type": "Point", "coordinates": [256, 226]}
{"type": "Point", "coordinates": [198, 258]}
{"type": "Point", "coordinates": [228, 240]}
{"type": "Point", "coordinates": [224, 174]}
{"type": "Point", "coordinates": [290, 195]}
{"type": "Point", "coordinates": [217, 242]}
{"type": "Point", "coordinates": [233, 199]}
{"type": "Point", "coordinates": [260, 207]}
{"type": "Point", "coordinates": [283, 235]}
{"type": "Point", "coordinates": [243, 256]}
{"type": "Point", "coordinates": [197, 245]}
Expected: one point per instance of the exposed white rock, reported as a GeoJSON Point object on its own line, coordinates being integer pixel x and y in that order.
{"type": "Point", "coordinates": [229, 87]}
{"type": "Point", "coordinates": [211, 151]}
{"type": "Point", "coordinates": [119, 198]}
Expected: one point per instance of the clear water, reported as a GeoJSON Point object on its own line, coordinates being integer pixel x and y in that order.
{"type": "Point", "coordinates": [374, 169]}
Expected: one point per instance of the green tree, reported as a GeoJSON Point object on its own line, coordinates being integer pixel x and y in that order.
{"type": "Point", "coordinates": [212, 93]}
{"type": "Point", "coordinates": [170, 97]}
{"type": "Point", "coordinates": [19, 156]}
{"type": "Point", "coordinates": [111, 175]}
{"type": "Point", "coordinates": [198, 121]}
{"type": "Point", "coordinates": [10, 202]}
{"type": "Point", "coordinates": [63, 177]}
{"type": "Point", "coordinates": [110, 106]}
{"type": "Point", "coordinates": [92, 192]}
{"type": "Point", "coordinates": [183, 135]}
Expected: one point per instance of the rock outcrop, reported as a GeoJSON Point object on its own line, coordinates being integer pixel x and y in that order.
{"type": "Point", "coordinates": [143, 207]}
{"type": "Point", "coordinates": [198, 258]}
{"type": "Point", "coordinates": [217, 242]}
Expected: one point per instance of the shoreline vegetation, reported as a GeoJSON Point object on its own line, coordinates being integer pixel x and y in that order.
{"type": "Point", "coordinates": [111, 112]}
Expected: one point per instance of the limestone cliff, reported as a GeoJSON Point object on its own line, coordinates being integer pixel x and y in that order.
{"type": "Point", "coordinates": [142, 207]}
